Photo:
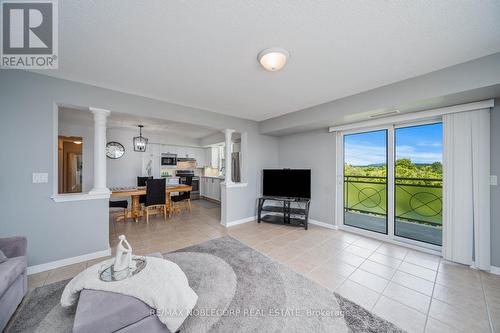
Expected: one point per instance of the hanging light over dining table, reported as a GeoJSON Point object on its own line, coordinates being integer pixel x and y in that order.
{"type": "Point", "coordinates": [140, 142]}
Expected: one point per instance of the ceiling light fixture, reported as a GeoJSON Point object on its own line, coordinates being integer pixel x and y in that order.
{"type": "Point", "coordinates": [77, 142]}
{"type": "Point", "coordinates": [140, 142]}
{"type": "Point", "coordinates": [273, 59]}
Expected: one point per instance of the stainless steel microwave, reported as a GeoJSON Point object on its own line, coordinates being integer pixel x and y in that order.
{"type": "Point", "coordinates": [168, 159]}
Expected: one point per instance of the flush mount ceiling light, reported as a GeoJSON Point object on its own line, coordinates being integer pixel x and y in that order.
{"type": "Point", "coordinates": [140, 142]}
{"type": "Point", "coordinates": [273, 59]}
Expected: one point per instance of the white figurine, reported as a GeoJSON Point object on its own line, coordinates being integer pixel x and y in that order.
{"type": "Point", "coordinates": [123, 259]}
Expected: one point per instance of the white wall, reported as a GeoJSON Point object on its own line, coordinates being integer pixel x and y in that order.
{"type": "Point", "coordinates": [495, 190]}
{"type": "Point", "coordinates": [316, 151]}
{"type": "Point", "coordinates": [54, 230]}
{"type": "Point", "coordinates": [61, 230]}
{"type": "Point", "coordinates": [262, 154]}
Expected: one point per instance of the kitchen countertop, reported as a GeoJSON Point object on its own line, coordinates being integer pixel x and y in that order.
{"type": "Point", "coordinates": [217, 177]}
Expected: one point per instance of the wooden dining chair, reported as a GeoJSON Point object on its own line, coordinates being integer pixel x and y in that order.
{"type": "Point", "coordinates": [155, 196]}
{"type": "Point", "coordinates": [183, 199]}
{"type": "Point", "coordinates": [141, 181]}
{"type": "Point", "coordinates": [120, 204]}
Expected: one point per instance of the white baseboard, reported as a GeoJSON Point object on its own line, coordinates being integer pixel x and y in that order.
{"type": "Point", "coordinates": [323, 224]}
{"type": "Point", "coordinates": [67, 261]}
{"type": "Point", "coordinates": [245, 220]}
{"type": "Point", "coordinates": [254, 218]}
{"type": "Point", "coordinates": [495, 270]}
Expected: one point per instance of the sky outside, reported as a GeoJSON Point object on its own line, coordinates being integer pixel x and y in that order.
{"type": "Point", "coordinates": [421, 144]}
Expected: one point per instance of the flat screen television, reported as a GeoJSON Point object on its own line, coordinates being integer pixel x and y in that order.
{"type": "Point", "coordinates": [288, 183]}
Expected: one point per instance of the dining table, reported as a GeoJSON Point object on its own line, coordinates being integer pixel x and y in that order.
{"type": "Point", "coordinates": [136, 191]}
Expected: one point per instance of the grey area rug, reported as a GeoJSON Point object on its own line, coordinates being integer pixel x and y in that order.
{"type": "Point", "coordinates": [205, 203]}
{"type": "Point", "coordinates": [239, 290]}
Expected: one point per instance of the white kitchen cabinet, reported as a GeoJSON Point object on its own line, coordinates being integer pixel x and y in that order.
{"type": "Point", "coordinates": [200, 157]}
{"type": "Point", "coordinates": [212, 157]}
{"type": "Point", "coordinates": [192, 152]}
{"type": "Point", "coordinates": [207, 158]}
{"type": "Point", "coordinates": [203, 186]}
{"type": "Point", "coordinates": [181, 152]}
{"type": "Point", "coordinates": [168, 149]}
{"type": "Point", "coordinates": [215, 158]}
{"type": "Point", "coordinates": [210, 187]}
{"type": "Point", "coordinates": [217, 182]}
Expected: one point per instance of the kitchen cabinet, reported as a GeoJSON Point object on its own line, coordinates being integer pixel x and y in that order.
{"type": "Point", "coordinates": [210, 187]}
{"type": "Point", "coordinates": [200, 157]}
{"type": "Point", "coordinates": [181, 152]}
{"type": "Point", "coordinates": [186, 152]}
{"type": "Point", "coordinates": [202, 186]}
{"type": "Point", "coordinates": [192, 152]}
{"type": "Point", "coordinates": [217, 182]}
{"type": "Point", "coordinates": [208, 162]}
{"type": "Point", "coordinates": [212, 157]}
{"type": "Point", "coordinates": [168, 149]}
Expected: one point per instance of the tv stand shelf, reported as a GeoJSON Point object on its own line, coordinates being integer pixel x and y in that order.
{"type": "Point", "coordinates": [295, 216]}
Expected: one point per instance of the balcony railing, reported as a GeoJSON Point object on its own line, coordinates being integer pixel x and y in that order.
{"type": "Point", "coordinates": [417, 200]}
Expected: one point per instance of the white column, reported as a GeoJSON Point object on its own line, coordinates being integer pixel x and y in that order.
{"type": "Point", "coordinates": [229, 150]}
{"type": "Point", "coordinates": [100, 116]}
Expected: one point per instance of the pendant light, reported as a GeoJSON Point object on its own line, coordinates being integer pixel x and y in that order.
{"type": "Point", "coordinates": [140, 142]}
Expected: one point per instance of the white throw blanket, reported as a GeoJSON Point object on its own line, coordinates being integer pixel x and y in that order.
{"type": "Point", "coordinates": [161, 284]}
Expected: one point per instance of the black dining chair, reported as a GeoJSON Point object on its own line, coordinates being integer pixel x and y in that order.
{"type": "Point", "coordinates": [120, 204]}
{"type": "Point", "coordinates": [141, 181]}
{"type": "Point", "coordinates": [183, 198]}
{"type": "Point", "coordinates": [155, 196]}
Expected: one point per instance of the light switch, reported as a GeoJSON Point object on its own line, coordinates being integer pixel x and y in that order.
{"type": "Point", "coordinates": [40, 177]}
{"type": "Point", "coordinates": [493, 180]}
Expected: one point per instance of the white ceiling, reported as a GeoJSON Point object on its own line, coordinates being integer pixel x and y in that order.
{"type": "Point", "coordinates": [124, 121]}
{"type": "Point", "coordinates": [202, 53]}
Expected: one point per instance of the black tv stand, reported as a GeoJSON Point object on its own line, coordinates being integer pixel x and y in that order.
{"type": "Point", "coordinates": [294, 216]}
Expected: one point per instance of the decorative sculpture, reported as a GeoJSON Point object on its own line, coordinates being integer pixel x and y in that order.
{"type": "Point", "coordinates": [123, 259]}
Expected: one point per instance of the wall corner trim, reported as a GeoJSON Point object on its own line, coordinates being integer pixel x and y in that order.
{"type": "Point", "coordinates": [323, 224]}
{"type": "Point", "coordinates": [67, 261]}
{"type": "Point", "coordinates": [495, 270]}
{"type": "Point", "coordinates": [236, 222]}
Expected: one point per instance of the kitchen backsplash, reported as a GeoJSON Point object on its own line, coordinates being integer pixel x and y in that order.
{"type": "Point", "coordinates": [211, 172]}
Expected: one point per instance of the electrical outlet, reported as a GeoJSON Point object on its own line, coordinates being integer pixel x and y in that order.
{"type": "Point", "coordinates": [493, 180]}
{"type": "Point", "coordinates": [40, 177]}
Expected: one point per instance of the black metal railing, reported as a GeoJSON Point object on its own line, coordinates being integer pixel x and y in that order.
{"type": "Point", "coordinates": [417, 200]}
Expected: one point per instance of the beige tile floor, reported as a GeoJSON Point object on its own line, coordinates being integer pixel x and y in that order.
{"type": "Point", "coordinates": [416, 291]}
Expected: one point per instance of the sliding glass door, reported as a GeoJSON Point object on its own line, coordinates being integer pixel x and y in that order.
{"type": "Point", "coordinates": [418, 186]}
{"type": "Point", "coordinates": [365, 180]}
{"type": "Point", "coordinates": [393, 182]}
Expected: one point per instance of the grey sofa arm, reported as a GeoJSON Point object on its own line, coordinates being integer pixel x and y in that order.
{"type": "Point", "coordinates": [14, 246]}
